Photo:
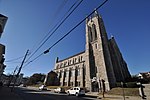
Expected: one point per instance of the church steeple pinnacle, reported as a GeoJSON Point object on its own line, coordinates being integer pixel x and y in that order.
{"type": "Point", "coordinates": [96, 14]}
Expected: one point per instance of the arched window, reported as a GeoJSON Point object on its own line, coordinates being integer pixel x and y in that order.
{"type": "Point", "coordinates": [60, 74]}
{"type": "Point", "coordinates": [90, 34]}
{"type": "Point", "coordinates": [75, 60]}
{"type": "Point", "coordinates": [81, 58]}
{"type": "Point", "coordinates": [94, 33]}
{"type": "Point", "coordinates": [78, 72]}
{"type": "Point", "coordinates": [57, 66]}
{"type": "Point", "coordinates": [61, 65]}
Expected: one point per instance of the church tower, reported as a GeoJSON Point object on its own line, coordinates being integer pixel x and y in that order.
{"type": "Point", "coordinates": [97, 56]}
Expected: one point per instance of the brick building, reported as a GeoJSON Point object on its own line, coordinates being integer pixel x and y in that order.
{"type": "Point", "coordinates": [101, 59]}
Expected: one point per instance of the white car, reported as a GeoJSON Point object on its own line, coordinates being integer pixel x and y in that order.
{"type": "Point", "coordinates": [59, 90]}
{"type": "Point", "coordinates": [42, 87]}
{"type": "Point", "coordinates": [77, 91]}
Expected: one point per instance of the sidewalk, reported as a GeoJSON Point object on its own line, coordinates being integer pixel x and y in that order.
{"type": "Point", "coordinates": [6, 94]}
{"type": "Point", "coordinates": [115, 97]}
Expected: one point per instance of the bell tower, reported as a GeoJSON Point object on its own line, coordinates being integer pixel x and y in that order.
{"type": "Point", "coordinates": [97, 55]}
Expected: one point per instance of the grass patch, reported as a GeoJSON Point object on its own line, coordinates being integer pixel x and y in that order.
{"type": "Point", "coordinates": [127, 91]}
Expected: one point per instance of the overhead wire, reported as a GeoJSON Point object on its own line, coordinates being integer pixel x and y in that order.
{"type": "Point", "coordinates": [14, 59]}
{"type": "Point", "coordinates": [60, 7]}
{"type": "Point", "coordinates": [56, 14]}
{"type": "Point", "coordinates": [52, 21]}
{"type": "Point", "coordinates": [46, 51]}
{"type": "Point", "coordinates": [57, 26]}
{"type": "Point", "coordinates": [62, 21]}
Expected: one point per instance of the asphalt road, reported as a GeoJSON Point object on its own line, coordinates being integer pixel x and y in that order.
{"type": "Point", "coordinates": [29, 94]}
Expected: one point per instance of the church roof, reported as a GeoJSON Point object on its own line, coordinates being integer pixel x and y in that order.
{"type": "Point", "coordinates": [71, 56]}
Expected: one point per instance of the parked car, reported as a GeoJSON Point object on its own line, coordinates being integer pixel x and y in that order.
{"type": "Point", "coordinates": [77, 91]}
{"type": "Point", "coordinates": [22, 85]}
{"type": "Point", "coordinates": [42, 87]}
{"type": "Point", "coordinates": [59, 90]}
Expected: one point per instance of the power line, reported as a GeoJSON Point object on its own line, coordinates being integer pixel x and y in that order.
{"type": "Point", "coordinates": [57, 26]}
{"type": "Point", "coordinates": [60, 7]}
{"type": "Point", "coordinates": [46, 51]}
{"type": "Point", "coordinates": [56, 14]}
{"type": "Point", "coordinates": [52, 21]}
{"type": "Point", "coordinates": [11, 60]}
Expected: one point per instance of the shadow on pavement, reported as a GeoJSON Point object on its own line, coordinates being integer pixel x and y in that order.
{"type": "Point", "coordinates": [90, 96]}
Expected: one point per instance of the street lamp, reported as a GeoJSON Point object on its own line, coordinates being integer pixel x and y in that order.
{"type": "Point", "coordinates": [123, 94]}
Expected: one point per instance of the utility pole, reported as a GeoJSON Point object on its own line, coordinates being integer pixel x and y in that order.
{"type": "Point", "coordinates": [11, 78]}
{"type": "Point", "coordinates": [20, 69]}
{"type": "Point", "coordinates": [45, 80]}
{"type": "Point", "coordinates": [123, 94]}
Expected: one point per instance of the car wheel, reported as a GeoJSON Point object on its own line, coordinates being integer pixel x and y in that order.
{"type": "Point", "coordinates": [68, 93]}
{"type": "Point", "coordinates": [77, 94]}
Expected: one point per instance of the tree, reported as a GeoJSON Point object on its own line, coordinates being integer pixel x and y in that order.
{"type": "Point", "coordinates": [52, 79]}
{"type": "Point", "coordinates": [35, 78]}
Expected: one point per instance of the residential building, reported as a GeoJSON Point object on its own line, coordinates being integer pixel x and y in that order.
{"type": "Point", "coordinates": [145, 76]}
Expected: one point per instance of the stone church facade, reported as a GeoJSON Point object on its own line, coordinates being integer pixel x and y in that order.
{"type": "Point", "coordinates": [101, 59]}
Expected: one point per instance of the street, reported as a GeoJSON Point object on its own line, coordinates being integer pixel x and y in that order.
{"type": "Point", "coordinates": [28, 94]}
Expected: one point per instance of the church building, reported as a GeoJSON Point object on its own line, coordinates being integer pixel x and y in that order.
{"type": "Point", "coordinates": [101, 60]}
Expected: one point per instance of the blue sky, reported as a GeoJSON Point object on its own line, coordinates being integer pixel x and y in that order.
{"type": "Point", "coordinates": [30, 20]}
